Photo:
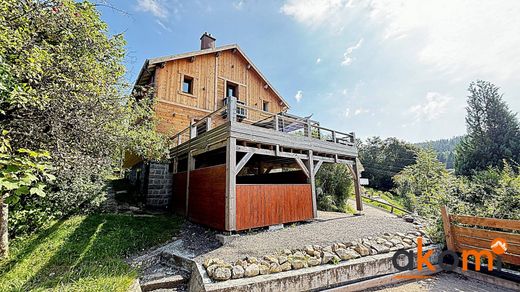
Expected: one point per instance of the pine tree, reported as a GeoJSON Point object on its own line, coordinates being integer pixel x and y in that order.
{"type": "Point", "coordinates": [493, 131]}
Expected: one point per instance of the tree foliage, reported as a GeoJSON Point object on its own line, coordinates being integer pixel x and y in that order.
{"type": "Point", "coordinates": [23, 172]}
{"type": "Point", "coordinates": [493, 131]}
{"type": "Point", "coordinates": [382, 159]}
{"type": "Point", "coordinates": [62, 90]}
{"type": "Point", "coordinates": [334, 182]}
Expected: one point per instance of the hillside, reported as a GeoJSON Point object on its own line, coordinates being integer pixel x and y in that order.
{"type": "Point", "coordinates": [445, 149]}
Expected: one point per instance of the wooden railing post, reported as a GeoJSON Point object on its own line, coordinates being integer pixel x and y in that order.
{"type": "Point", "coordinates": [276, 122]}
{"type": "Point", "coordinates": [309, 128]}
{"type": "Point", "coordinates": [447, 228]}
{"type": "Point", "coordinates": [208, 124]}
{"type": "Point", "coordinates": [334, 136]}
{"type": "Point", "coordinates": [232, 108]}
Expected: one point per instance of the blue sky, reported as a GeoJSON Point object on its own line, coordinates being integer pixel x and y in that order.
{"type": "Point", "coordinates": [387, 68]}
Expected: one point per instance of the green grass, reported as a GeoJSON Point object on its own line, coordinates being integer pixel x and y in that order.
{"type": "Point", "coordinates": [391, 199]}
{"type": "Point", "coordinates": [83, 253]}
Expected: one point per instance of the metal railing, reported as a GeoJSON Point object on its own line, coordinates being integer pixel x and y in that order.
{"type": "Point", "coordinates": [281, 122]}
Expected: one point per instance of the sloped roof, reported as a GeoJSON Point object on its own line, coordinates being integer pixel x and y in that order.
{"type": "Point", "coordinates": [149, 65]}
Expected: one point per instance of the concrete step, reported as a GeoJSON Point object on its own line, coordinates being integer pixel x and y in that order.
{"type": "Point", "coordinates": [163, 276]}
{"type": "Point", "coordinates": [168, 283]}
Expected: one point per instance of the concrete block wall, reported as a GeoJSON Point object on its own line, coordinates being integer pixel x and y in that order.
{"type": "Point", "coordinates": [159, 191]}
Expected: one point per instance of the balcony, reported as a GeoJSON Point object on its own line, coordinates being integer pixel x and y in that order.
{"type": "Point", "coordinates": [281, 132]}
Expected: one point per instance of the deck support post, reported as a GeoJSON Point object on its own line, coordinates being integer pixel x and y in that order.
{"type": "Point", "coordinates": [175, 165]}
{"type": "Point", "coordinates": [311, 180]}
{"type": "Point", "coordinates": [357, 184]}
{"type": "Point", "coordinates": [231, 162]}
{"type": "Point", "coordinates": [190, 167]}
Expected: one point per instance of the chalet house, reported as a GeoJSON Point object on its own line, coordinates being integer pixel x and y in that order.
{"type": "Point", "coordinates": [238, 159]}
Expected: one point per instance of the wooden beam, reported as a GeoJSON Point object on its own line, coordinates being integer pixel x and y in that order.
{"type": "Point", "coordinates": [243, 162]}
{"type": "Point", "coordinates": [317, 166]}
{"type": "Point", "coordinates": [231, 162]}
{"type": "Point", "coordinates": [447, 228]}
{"type": "Point", "coordinates": [269, 152]}
{"type": "Point", "coordinates": [303, 167]}
{"type": "Point", "coordinates": [312, 181]}
{"type": "Point", "coordinates": [190, 166]}
{"type": "Point", "coordinates": [357, 185]}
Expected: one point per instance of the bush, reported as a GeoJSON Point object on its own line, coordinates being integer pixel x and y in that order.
{"type": "Point", "coordinates": [334, 187]}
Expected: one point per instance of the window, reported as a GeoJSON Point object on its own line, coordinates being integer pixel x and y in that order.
{"type": "Point", "coordinates": [187, 84]}
{"type": "Point", "coordinates": [265, 106]}
{"type": "Point", "coordinates": [231, 90]}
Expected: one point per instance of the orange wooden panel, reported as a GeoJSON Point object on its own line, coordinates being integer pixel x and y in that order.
{"type": "Point", "coordinates": [486, 234]}
{"type": "Point", "coordinates": [487, 222]}
{"type": "Point", "coordinates": [261, 205]}
{"type": "Point", "coordinates": [207, 196]}
{"type": "Point", "coordinates": [512, 248]}
{"type": "Point", "coordinates": [506, 257]}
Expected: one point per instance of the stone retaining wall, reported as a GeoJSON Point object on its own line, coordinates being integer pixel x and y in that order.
{"type": "Point", "coordinates": [312, 255]}
{"type": "Point", "coordinates": [159, 191]}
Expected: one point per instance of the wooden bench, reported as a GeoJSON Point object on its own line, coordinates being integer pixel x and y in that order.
{"type": "Point", "coordinates": [469, 232]}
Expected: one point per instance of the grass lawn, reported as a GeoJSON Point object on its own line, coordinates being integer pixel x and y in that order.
{"type": "Point", "coordinates": [83, 253]}
{"type": "Point", "coordinates": [394, 200]}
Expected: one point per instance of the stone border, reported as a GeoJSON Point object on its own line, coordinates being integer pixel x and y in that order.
{"type": "Point", "coordinates": [318, 277]}
{"type": "Point", "coordinates": [311, 256]}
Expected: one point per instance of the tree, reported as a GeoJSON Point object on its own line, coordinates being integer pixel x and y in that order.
{"type": "Point", "coordinates": [336, 185]}
{"type": "Point", "coordinates": [493, 131]}
{"type": "Point", "coordinates": [22, 172]}
{"type": "Point", "coordinates": [63, 90]}
{"type": "Point", "coordinates": [382, 159]}
{"type": "Point", "coordinates": [425, 186]}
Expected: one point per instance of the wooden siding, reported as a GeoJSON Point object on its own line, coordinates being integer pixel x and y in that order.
{"type": "Point", "coordinates": [207, 196]}
{"type": "Point", "coordinates": [176, 109]}
{"type": "Point", "coordinates": [267, 204]}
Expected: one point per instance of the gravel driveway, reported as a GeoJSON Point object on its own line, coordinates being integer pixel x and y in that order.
{"type": "Point", "coordinates": [329, 228]}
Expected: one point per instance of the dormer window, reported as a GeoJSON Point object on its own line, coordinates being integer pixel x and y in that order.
{"type": "Point", "coordinates": [187, 84]}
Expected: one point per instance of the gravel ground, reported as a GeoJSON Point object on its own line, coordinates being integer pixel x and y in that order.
{"type": "Point", "coordinates": [331, 228]}
{"type": "Point", "coordinates": [444, 282]}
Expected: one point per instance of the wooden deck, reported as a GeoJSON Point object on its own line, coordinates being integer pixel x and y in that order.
{"type": "Point", "coordinates": [236, 133]}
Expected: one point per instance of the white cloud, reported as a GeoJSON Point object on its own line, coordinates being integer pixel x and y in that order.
{"type": "Point", "coordinates": [463, 39]}
{"type": "Point", "coordinates": [360, 111]}
{"type": "Point", "coordinates": [460, 37]}
{"type": "Point", "coordinates": [298, 96]}
{"type": "Point", "coordinates": [435, 105]}
{"type": "Point", "coordinates": [318, 60]}
{"type": "Point", "coordinates": [239, 4]}
{"type": "Point", "coordinates": [157, 8]}
{"type": "Point", "coordinates": [161, 24]}
{"type": "Point", "coordinates": [347, 56]}
{"type": "Point", "coordinates": [347, 112]}
{"type": "Point", "coordinates": [312, 12]}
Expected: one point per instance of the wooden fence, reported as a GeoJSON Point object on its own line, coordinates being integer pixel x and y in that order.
{"type": "Point", "coordinates": [477, 233]}
{"type": "Point", "coordinates": [392, 207]}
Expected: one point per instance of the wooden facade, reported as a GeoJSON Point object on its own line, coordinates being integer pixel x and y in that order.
{"type": "Point", "coordinates": [239, 160]}
{"type": "Point", "coordinates": [211, 73]}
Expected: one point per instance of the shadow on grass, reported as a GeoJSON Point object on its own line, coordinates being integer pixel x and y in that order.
{"type": "Point", "coordinates": [28, 249]}
{"type": "Point", "coordinates": [92, 257]}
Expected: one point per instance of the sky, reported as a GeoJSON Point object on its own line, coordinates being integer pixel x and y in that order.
{"type": "Point", "coordinates": [384, 68]}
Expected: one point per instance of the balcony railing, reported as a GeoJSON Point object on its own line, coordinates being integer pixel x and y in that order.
{"type": "Point", "coordinates": [281, 122]}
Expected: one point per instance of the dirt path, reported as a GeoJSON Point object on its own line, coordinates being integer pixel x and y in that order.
{"type": "Point", "coordinates": [369, 210]}
{"type": "Point", "coordinates": [444, 282]}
